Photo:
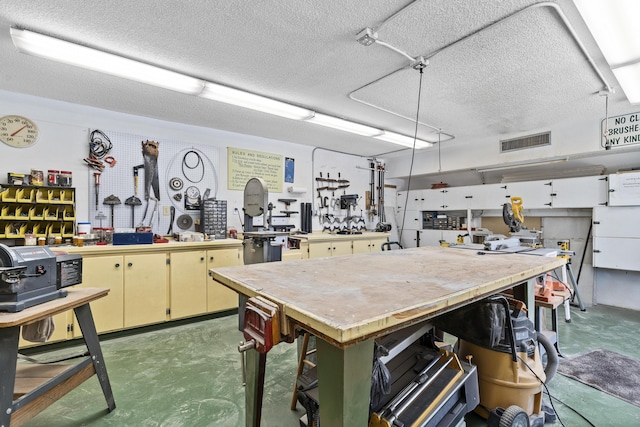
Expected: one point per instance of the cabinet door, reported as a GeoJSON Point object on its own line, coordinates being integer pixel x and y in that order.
{"type": "Point", "coordinates": [376, 244]}
{"type": "Point", "coordinates": [457, 198]}
{"type": "Point", "coordinates": [320, 249]}
{"type": "Point", "coordinates": [104, 272]}
{"type": "Point", "coordinates": [582, 192]}
{"type": "Point", "coordinates": [361, 246]}
{"type": "Point", "coordinates": [409, 238]}
{"type": "Point", "coordinates": [409, 219]}
{"type": "Point", "coordinates": [534, 194]}
{"type": "Point", "coordinates": [145, 289]}
{"type": "Point", "coordinates": [342, 248]}
{"type": "Point", "coordinates": [488, 196]}
{"type": "Point", "coordinates": [188, 284]}
{"type": "Point", "coordinates": [220, 297]}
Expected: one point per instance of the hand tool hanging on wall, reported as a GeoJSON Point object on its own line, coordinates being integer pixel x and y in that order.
{"type": "Point", "coordinates": [112, 201]}
{"type": "Point", "coordinates": [96, 184]}
{"type": "Point", "coordinates": [150, 152]}
{"type": "Point", "coordinates": [134, 201]}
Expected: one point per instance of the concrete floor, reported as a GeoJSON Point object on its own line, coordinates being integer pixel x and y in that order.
{"type": "Point", "coordinates": [189, 375]}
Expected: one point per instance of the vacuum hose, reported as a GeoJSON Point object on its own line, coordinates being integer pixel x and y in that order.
{"type": "Point", "coordinates": [552, 357]}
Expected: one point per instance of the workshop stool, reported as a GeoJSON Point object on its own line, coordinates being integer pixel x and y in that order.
{"type": "Point", "coordinates": [304, 354]}
{"type": "Point", "coordinates": [555, 301]}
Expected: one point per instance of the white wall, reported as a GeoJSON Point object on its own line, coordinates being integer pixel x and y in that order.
{"type": "Point", "coordinates": [63, 144]}
{"type": "Point", "coordinates": [469, 153]}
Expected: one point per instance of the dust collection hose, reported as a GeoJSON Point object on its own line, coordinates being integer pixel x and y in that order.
{"type": "Point", "coordinates": [552, 357]}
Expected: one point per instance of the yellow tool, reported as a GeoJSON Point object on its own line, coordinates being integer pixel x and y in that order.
{"type": "Point", "coordinates": [516, 206]}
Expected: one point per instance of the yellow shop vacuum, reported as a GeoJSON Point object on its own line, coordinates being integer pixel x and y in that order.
{"type": "Point", "coordinates": [503, 345]}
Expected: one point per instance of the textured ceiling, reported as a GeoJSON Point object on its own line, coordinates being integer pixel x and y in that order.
{"type": "Point", "coordinates": [520, 74]}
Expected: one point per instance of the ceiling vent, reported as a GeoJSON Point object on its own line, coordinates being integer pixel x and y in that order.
{"type": "Point", "coordinates": [524, 142]}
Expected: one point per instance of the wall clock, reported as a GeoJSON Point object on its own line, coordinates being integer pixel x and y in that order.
{"type": "Point", "coordinates": [18, 131]}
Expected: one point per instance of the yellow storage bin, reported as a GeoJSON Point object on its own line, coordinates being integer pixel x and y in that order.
{"type": "Point", "coordinates": [37, 212]}
{"type": "Point", "coordinates": [42, 195]}
{"type": "Point", "coordinates": [68, 213]}
{"type": "Point", "coordinates": [66, 197]}
{"type": "Point", "coordinates": [24, 195]}
{"type": "Point", "coordinates": [67, 229]}
{"type": "Point", "coordinates": [9, 212]}
{"type": "Point", "coordinates": [15, 229]}
{"type": "Point", "coordinates": [56, 195]}
{"type": "Point", "coordinates": [10, 195]}
{"type": "Point", "coordinates": [55, 229]}
{"type": "Point", "coordinates": [22, 212]}
{"type": "Point", "coordinates": [50, 213]}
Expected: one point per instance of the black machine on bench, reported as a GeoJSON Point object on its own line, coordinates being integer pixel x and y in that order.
{"type": "Point", "coordinates": [31, 275]}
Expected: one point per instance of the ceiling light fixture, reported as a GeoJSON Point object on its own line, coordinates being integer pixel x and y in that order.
{"type": "Point", "coordinates": [69, 53]}
{"type": "Point", "coordinates": [613, 25]}
{"type": "Point", "coordinates": [344, 125]}
{"type": "Point", "coordinates": [244, 99]}
{"type": "Point", "coordinates": [84, 57]}
{"type": "Point", "coordinates": [406, 141]}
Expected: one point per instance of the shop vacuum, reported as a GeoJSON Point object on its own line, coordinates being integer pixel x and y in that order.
{"type": "Point", "coordinates": [503, 344]}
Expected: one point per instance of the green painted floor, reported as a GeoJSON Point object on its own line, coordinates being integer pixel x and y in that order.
{"type": "Point", "coordinates": [189, 375]}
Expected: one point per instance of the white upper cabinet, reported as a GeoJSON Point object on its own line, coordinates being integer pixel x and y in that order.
{"type": "Point", "coordinates": [583, 192]}
{"type": "Point", "coordinates": [534, 194]}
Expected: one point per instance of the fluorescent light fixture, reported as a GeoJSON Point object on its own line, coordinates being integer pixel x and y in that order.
{"type": "Point", "coordinates": [403, 140]}
{"type": "Point", "coordinates": [254, 102]}
{"type": "Point", "coordinates": [522, 165]}
{"type": "Point", "coordinates": [344, 125]}
{"type": "Point", "coordinates": [81, 56]}
{"type": "Point", "coordinates": [58, 50]}
{"type": "Point", "coordinates": [629, 79]}
{"type": "Point", "coordinates": [614, 25]}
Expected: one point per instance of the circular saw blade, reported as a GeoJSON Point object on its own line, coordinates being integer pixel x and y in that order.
{"type": "Point", "coordinates": [184, 222]}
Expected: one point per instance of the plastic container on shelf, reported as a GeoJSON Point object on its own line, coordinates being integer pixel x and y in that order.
{"type": "Point", "coordinates": [84, 228]}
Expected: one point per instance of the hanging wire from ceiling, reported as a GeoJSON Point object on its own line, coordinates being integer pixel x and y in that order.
{"type": "Point", "coordinates": [420, 68]}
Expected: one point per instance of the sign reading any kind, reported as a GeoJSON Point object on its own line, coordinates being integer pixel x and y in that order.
{"type": "Point", "coordinates": [621, 130]}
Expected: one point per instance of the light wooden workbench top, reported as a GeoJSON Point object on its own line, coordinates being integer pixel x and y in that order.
{"type": "Point", "coordinates": [321, 237]}
{"type": "Point", "coordinates": [347, 299]}
{"type": "Point", "coordinates": [155, 247]}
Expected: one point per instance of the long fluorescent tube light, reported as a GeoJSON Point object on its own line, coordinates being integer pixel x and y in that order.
{"type": "Point", "coordinates": [240, 98]}
{"type": "Point", "coordinates": [403, 140]}
{"type": "Point", "coordinates": [522, 165]}
{"type": "Point", "coordinates": [58, 50]}
{"type": "Point", "coordinates": [80, 56]}
{"type": "Point", "coordinates": [614, 27]}
{"type": "Point", "coordinates": [344, 125]}
{"type": "Point", "coordinates": [629, 79]}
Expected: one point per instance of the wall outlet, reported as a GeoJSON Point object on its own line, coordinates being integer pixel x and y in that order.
{"type": "Point", "coordinates": [166, 210]}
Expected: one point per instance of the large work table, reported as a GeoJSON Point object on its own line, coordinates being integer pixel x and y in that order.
{"type": "Point", "coordinates": [348, 301]}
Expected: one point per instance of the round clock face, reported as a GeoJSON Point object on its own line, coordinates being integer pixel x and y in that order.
{"type": "Point", "coordinates": [18, 131]}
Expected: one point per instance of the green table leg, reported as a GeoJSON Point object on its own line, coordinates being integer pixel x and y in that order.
{"type": "Point", "coordinates": [344, 383]}
{"type": "Point", "coordinates": [254, 388]}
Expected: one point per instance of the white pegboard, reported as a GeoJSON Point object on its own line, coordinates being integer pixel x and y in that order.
{"type": "Point", "coordinates": [192, 165]}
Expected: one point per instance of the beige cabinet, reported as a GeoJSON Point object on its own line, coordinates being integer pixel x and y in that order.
{"type": "Point", "coordinates": [145, 289]}
{"type": "Point", "coordinates": [330, 248]}
{"type": "Point", "coordinates": [104, 272]}
{"type": "Point", "coordinates": [220, 297]}
{"type": "Point", "coordinates": [368, 245]}
{"type": "Point", "coordinates": [188, 284]}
